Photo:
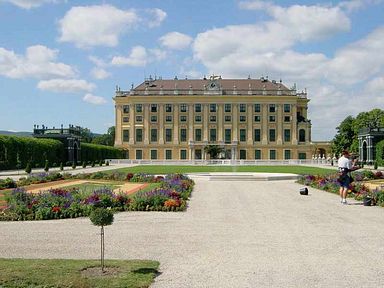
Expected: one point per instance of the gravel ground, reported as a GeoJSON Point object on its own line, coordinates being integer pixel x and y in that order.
{"type": "Point", "coordinates": [234, 234]}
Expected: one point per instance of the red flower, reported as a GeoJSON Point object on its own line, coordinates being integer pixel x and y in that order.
{"type": "Point", "coordinates": [56, 209]}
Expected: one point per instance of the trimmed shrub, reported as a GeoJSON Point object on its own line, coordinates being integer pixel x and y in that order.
{"type": "Point", "coordinates": [61, 166]}
{"type": "Point", "coordinates": [84, 164]}
{"type": "Point", "coordinates": [46, 166]}
{"type": "Point", "coordinates": [28, 169]}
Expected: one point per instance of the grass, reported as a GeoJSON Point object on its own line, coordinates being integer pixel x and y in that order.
{"type": "Point", "coordinates": [156, 169]}
{"type": "Point", "coordinates": [90, 187]}
{"type": "Point", "coordinates": [67, 273]}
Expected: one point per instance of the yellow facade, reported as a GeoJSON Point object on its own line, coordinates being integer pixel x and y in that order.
{"type": "Point", "coordinates": [251, 119]}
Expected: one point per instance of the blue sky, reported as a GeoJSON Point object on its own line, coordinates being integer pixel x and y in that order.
{"type": "Point", "coordinates": [60, 61]}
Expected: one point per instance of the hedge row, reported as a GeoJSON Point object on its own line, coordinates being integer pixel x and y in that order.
{"type": "Point", "coordinates": [16, 152]}
{"type": "Point", "coordinates": [380, 153]}
{"type": "Point", "coordinates": [95, 152]}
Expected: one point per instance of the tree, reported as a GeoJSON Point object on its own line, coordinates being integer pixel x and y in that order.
{"type": "Point", "coordinates": [106, 139]}
{"type": "Point", "coordinates": [101, 217]}
{"type": "Point", "coordinates": [213, 151]}
{"type": "Point", "coordinates": [86, 135]}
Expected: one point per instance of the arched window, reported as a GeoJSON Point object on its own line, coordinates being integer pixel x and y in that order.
{"type": "Point", "coordinates": [301, 135]}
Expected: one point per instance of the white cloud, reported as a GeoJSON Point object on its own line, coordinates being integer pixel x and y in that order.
{"type": "Point", "coordinates": [28, 4]}
{"type": "Point", "coordinates": [66, 86]}
{"type": "Point", "coordinates": [157, 16]}
{"type": "Point", "coordinates": [38, 62]}
{"type": "Point", "coordinates": [175, 40]}
{"type": "Point", "coordinates": [97, 61]}
{"type": "Point", "coordinates": [353, 5]}
{"type": "Point", "coordinates": [101, 25]}
{"type": "Point", "coordinates": [96, 100]}
{"type": "Point", "coordinates": [100, 73]}
{"type": "Point", "coordinates": [137, 57]}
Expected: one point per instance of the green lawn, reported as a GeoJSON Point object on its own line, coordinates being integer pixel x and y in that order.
{"type": "Point", "coordinates": [68, 273]}
{"type": "Point", "coordinates": [157, 169]}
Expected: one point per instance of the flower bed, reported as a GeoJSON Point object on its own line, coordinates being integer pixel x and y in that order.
{"type": "Point", "coordinates": [357, 189]}
{"type": "Point", "coordinates": [172, 195]}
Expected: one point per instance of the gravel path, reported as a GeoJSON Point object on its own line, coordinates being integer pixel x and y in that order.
{"type": "Point", "coordinates": [234, 234]}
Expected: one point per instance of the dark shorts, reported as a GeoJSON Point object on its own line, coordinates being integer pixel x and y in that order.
{"type": "Point", "coordinates": [344, 181]}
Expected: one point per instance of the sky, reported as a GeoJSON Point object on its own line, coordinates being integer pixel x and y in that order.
{"type": "Point", "coordinates": [61, 60]}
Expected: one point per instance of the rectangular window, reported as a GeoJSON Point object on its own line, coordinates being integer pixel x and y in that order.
{"type": "Point", "coordinates": [183, 135]}
{"type": "Point", "coordinates": [287, 108]}
{"type": "Point", "coordinates": [302, 156]}
{"type": "Point", "coordinates": [198, 108]}
{"type": "Point", "coordinates": [198, 135]}
{"type": "Point", "coordinates": [183, 108]}
{"type": "Point", "coordinates": [272, 118]}
{"type": "Point", "coordinates": [153, 135]}
{"type": "Point", "coordinates": [183, 154]}
{"type": "Point", "coordinates": [125, 119]}
{"type": "Point", "coordinates": [183, 118]}
{"type": "Point", "coordinates": [168, 154]}
{"type": "Point", "coordinates": [243, 118]}
{"type": "Point", "coordinates": [125, 135]}
{"type": "Point", "coordinates": [243, 154]}
{"type": "Point", "coordinates": [139, 108]}
{"type": "Point", "coordinates": [272, 135]}
{"type": "Point", "coordinates": [272, 154]}
{"type": "Point", "coordinates": [212, 118]}
{"type": "Point", "coordinates": [168, 118]}
{"type": "Point", "coordinates": [139, 135]}
{"type": "Point", "coordinates": [228, 136]}
{"type": "Point", "coordinates": [257, 118]}
{"type": "Point", "coordinates": [153, 118]}
{"type": "Point", "coordinates": [125, 109]}
{"type": "Point", "coordinates": [227, 118]}
{"type": "Point", "coordinates": [257, 108]}
{"type": "Point", "coordinates": [287, 118]}
{"type": "Point", "coordinates": [272, 108]}
{"type": "Point", "coordinates": [139, 118]}
{"type": "Point", "coordinates": [287, 154]}
{"type": "Point", "coordinates": [287, 135]}
{"type": "Point", "coordinates": [153, 108]}
{"type": "Point", "coordinates": [212, 135]}
{"type": "Point", "coordinates": [168, 108]}
{"type": "Point", "coordinates": [168, 135]}
{"type": "Point", "coordinates": [242, 108]}
{"type": "Point", "coordinates": [212, 107]}
{"type": "Point", "coordinates": [227, 108]}
{"type": "Point", "coordinates": [257, 135]}
{"type": "Point", "coordinates": [153, 154]}
{"type": "Point", "coordinates": [198, 118]}
{"type": "Point", "coordinates": [257, 154]}
{"type": "Point", "coordinates": [243, 135]}
{"type": "Point", "coordinates": [139, 154]}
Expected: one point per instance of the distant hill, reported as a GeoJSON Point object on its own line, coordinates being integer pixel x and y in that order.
{"type": "Point", "coordinates": [10, 133]}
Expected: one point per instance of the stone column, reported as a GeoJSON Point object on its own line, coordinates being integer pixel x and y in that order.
{"type": "Point", "coordinates": [220, 121]}
{"type": "Point", "coordinates": [294, 124]}
{"type": "Point", "coordinates": [132, 112]}
{"type": "Point", "coordinates": [176, 124]}
{"type": "Point", "coordinates": [191, 121]}
{"type": "Point", "coordinates": [205, 122]}
{"type": "Point", "coordinates": [146, 128]}
{"type": "Point", "coordinates": [279, 124]}
{"type": "Point", "coordinates": [264, 123]}
{"type": "Point", "coordinates": [161, 124]}
{"type": "Point", "coordinates": [119, 132]}
{"type": "Point", "coordinates": [249, 124]}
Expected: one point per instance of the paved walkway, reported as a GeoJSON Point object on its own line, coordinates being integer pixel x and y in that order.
{"type": "Point", "coordinates": [234, 234]}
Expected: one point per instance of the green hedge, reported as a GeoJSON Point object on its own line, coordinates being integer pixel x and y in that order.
{"type": "Point", "coordinates": [95, 152]}
{"type": "Point", "coordinates": [16, 152]}
{"type": "Point", "coordinates": [380, 153]}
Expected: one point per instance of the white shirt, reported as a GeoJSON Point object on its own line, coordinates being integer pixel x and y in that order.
{"type": "Point", "coordinates": [344, 162]}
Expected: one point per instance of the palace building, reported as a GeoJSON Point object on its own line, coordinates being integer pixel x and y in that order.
{"type": "Point", "coordinates": [249, 119]}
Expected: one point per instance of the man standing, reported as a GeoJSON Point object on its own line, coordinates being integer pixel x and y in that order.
{"type": "Point", "coordinates": [345, 167]}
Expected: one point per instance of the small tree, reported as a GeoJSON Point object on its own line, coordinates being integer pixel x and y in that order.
{"type": "Point", "coordinates": [61, 166]}
{"type": "Point", "coordinates": [74, 165]}
{"type": "Point", "coordinates": [101, 217]}
{"type": "Point", "coordinates": [93, 163]}
{"type": "Point", "coordinates": [101, 162]}
{"type": "Point", "coordinates": [28, 169]}
{"type": "Point", "coordinates": [107, 163]}
{"type": "Point", "coordinates": [46, 166]}
{"type": "Point", "coordinates": [84, 164]}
